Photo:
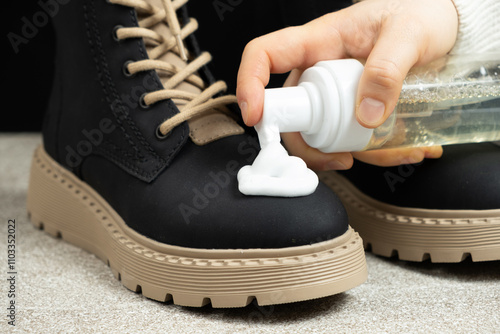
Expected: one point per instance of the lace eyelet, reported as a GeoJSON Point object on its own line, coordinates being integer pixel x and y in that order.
{"type": "Point", "coordinates": [160, 135]}
{"type": "Point", "coordinates": [142, 103]}
{"type": "Point", "coordinates": [115, 34]}
{"type": "Point", "coordinates": [125, 70]}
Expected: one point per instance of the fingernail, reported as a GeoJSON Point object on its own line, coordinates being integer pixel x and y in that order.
{"type": "Point", "coordinates": [371, 111]}
{"type": "Point", "coordinates": [335, 165]}
{"type": "Point", "coordinates": [243, 108]}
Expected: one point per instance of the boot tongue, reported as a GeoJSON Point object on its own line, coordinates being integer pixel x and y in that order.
{"type": "Point", "coordinates": [209, 126]}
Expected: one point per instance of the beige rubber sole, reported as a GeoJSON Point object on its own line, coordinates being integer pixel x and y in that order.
{"type": "Point", "coordinates": [65, 207]}
{"type": "Point", "coordinates": [418, 234]}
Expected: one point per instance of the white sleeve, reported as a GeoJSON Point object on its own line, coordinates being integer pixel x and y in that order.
{"type": "Point", "coordinates": [478, 26]}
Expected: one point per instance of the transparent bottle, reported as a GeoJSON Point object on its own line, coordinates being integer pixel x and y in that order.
{"type": "Point", "coordinates": [455, 99]}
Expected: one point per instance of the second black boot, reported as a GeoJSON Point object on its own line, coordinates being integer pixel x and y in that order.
{"type": "Point", "coordinates": [442, 210]}
{"type": "Point", "coordinates": [138, 166]}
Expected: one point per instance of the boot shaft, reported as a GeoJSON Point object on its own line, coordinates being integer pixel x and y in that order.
{"type": "Point", "coordinates": [95, 107]}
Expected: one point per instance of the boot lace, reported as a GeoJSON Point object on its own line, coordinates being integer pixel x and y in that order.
{"type": "Point", "coordinates": [190, 104]}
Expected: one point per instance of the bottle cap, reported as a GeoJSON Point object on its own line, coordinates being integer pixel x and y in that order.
{"type": "Point", "coordinates": [337, 81]}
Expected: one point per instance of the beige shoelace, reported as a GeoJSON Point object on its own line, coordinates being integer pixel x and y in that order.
{"type": "Point", "coordinates": [194, 104]}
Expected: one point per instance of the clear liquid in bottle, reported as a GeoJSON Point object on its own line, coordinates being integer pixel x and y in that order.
{"type": "Point", "coordinates": [453, 100]}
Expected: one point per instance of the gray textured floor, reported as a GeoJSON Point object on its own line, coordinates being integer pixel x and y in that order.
{"type": "Point", "coordinates": [62, 289]}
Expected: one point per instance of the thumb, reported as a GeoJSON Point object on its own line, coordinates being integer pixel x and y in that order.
{"type": "Point", "coordinates": [385, 70]}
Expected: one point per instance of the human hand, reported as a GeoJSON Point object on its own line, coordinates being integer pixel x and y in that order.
{"type": "Point", "coordinates": [391, 36]}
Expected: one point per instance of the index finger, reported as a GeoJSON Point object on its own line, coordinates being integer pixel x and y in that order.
{"type": "Point", "coordinates": [279, 52]}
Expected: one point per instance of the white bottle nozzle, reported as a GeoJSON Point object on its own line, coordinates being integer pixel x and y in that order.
{"type": "Point", "coordinates": [289, 107]}
{"type": "Point", "coordinates": [285, 110]}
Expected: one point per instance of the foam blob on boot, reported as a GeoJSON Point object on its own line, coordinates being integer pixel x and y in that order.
{"type": "Point", "coordinates": [275, 173]}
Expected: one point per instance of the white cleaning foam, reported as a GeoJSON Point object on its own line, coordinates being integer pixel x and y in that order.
{"type": "Point", "coordinates": [275, 173]}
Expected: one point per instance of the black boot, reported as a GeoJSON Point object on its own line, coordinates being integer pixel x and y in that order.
{"type": "Point", "coordinates": [138, 166]}
{"type": "Point", "coordinates": [444, 209]}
